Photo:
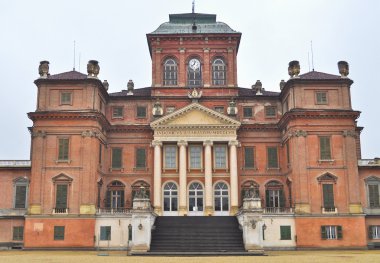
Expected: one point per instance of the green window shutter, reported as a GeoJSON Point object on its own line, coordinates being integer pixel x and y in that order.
{"type": "Point", "coordinates": [249, 157]}
{"type": "Point", "coordinates": [328, 196]}
{"type": "Point", "coordinates": [267, 198]}
{"type": "Point", "coordinates": [140, 158]}
{"type": "Point", "coordinates": [285, 232]}
{"type": "Point", "coordinates": [323, 232]}
{"type": "Point", "coordinates": [108, 199]}
{"type": "Point", "coordinates": [370, 235]}
{"type": "Point", "coordinates": [272, 157]}
{"type": "Point", "coordinates": [18, 233]}
{"type": "Point", "coordinates": [141, 111]}
{"type": "Point", "coordinates": [20, 201]}
{"type": "Point", "coordinates": [59, 232]}
{"type": "Point", "coordinates": [282, 198]}
{"type": "Point", "coordinates": [116, 158]}
{"type": "Point", "coordinates": [105, 233]}
{"type": "Point", "coordinates": [122, 198]}
{"type": "Point", "coordinates": [373, 195]}
{"type": "Point", "coordinates": [63, 149]}
{"type": "Point", "coordinates": [340, 232]}
{"type": "Point", "coordinates": [61, 196]}
{"type": "Point", "coordinates": [325, 148]}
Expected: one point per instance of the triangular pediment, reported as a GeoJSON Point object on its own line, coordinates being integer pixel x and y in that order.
{"type": "Point", "coordinates": [62, 178]}
{"type": "Point", "coordinates": [195, 114]}
{"type": "Point", "coordinates": [327, 177]}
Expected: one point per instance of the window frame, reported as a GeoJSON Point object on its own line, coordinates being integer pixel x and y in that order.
{"type": "Point", "coordinates": [20, 182]}
{"type": "Point", "coordinates": [194, 82]}
{"type": "Point", "coordinates": [324, 100]}
{"type": "Point", "coordinates": [250, 108]}
{"type": "Point", "coordinates": [200, 157]}
{"type": "Point", "coordinates": [59, 233]}
{"type": "Point", "coordinates": [138, 116]}
{"type": "Point", "coordinates": [112, 158]}
{"type": "Point", "coordinates": [137, 166]}
{"type": "Point", "coordinates": [245, 157]}
{"type": "Point", "coordinates": [114, 116]}
{"type": "Point", "coordinates": [269, 165]}
{"type": "Point", "coordinates": [170, 81]}
{"type": "Point", "coordinates": [65, 155]}
{"type": "Point", "coordinates": [62, 94]}
{"type": "Point", "coordinates": [215, 70]}
{"type": "Point", "coordinates": [323, 152]}
{"type": "Point", "coordinates": [373, 183]}
{"type": "Point", "coordinates": [103, 233]}
{"type": "Point", "coordinates": [325, 199]}
{"type": "Point", "coordinates": [371, 232]}
{"type": "Point", "coordinates": [19, 234]}
{"type": "Point", "coordinates": [175, 167]}
{"type": "Point", "coordinates": [215, 156]}
{"type": "Point", "coordinates": [331, 232]}
{"type": "Point", "coordinates": [266, 110]}
{"type": "Point", "coordinates": [285, 232]}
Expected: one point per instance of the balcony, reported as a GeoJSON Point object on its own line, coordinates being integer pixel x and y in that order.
{"type": "Point", "coordinates": [60, 211]}
{"type": "Point", "coordinates": [15, 163]}
{"type": "Point", "coordinates": [113, 211]}
{"type": "Point", "coordinates": [278, 210]}
{"type": "Point", "coordinates": [329, 210]}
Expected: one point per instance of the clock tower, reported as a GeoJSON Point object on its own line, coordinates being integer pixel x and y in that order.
{"type": "Point", "coordinates": [194, 51]}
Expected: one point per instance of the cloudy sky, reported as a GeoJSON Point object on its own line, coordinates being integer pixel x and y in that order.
{"type": "Point", "coordinates": [113, 32]}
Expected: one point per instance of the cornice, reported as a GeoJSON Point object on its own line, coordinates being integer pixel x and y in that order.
{"type": "Point", "coordinates": [317, 114]}
{"type": "Point", "coordinates": [259, 127]}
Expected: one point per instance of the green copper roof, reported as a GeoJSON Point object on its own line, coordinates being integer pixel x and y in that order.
{"type": "Point", "coordinates": [183, 24]}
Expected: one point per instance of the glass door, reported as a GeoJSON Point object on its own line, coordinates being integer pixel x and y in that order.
{"type": "Point", "coordinates": [221, 200]}
{"type": "Point", "coordinates": [195, 199]}
{"type": "Point", "coordinates": [170, 199]}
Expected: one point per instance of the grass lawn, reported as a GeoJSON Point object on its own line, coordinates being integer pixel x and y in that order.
{"type": "Point", "coordinates": [114, 257]}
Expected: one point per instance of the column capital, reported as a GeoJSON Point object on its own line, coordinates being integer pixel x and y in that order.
{"type": "Point", "coordinates": [156, 143]}
{"type": "Point", "coordinates": [182, 143]}
{"type": "Point", "coordinates": [234, 143]}
{"type": "Point", "coordinates": [208, 143]}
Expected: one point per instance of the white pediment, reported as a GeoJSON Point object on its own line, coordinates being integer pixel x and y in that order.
{"type": "Point", "coordinates": [195, 115]}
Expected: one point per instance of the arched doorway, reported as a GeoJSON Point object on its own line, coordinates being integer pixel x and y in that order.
{"type": "Point", "coordinates": [221, 199]}
{"type": "Point", "coordinates": [195, 199]}
{"type": "Point", "coordinates": [170, 199]}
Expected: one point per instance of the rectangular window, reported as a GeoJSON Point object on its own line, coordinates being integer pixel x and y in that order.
{"type": "Point", "coordinates": [59, 233]}
{"type": "Point", "coordinates": [63, 149]}
{"type": "Point", "coordinates": [270, 111]}
{"type": "Point", "coordinates": [325, 148]}
{"type": "Point", "coordinates": [18, 233]}
{"type": "Point", "coordinates": [140, 158]}
{"type": "Point", "coordinates": [219, 109]}
{"type": "Point", "coordinates": [170, 109]}
{"type": "Point", "coordinates": [249, 161]}
{"type": "Point", "coordinates": [272, 157]}
{"type": "Point", "coordinates": [170, 156]}
{"type": "Point", "coordinates": [105, 233]}
{"type": "Point", "coordinates": [328, 196]}
{"type": "Point", "coordinates": [220, 152]}
{"type": "Point", "coordinates": [321, 97]}
{"type": "Point", "coordinates": [117, 158]}
{"type": "Point", "coordinates": [247, 112]}
{"type": "Point", "coordinates": [285, 232]}
{"type": "Point", "coordinates": [331, 232]}
{"type": "Point", "coordinates": [141, 112]}
{"type": "Point", "coordinates": [61, 196]}
{"type": "Point", "coordinates": [374, 232]}
{"type": "Point", "coordinates": [66, 98]}
{"type": "Point", "coordinates": [195, 156]}
{"type": "Point", "coordinates": [117, 112]}
{"type": "Point", "coordinates": [373, 195]}
{"type": "Point", "coordinates": [20, 198]}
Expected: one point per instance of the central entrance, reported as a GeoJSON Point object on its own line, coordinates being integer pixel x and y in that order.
{"type": "Point", "coordinates": [195, 199]}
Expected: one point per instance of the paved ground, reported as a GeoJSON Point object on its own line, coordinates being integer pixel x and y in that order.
{"type": "Point", "coordinates": [115, 257]}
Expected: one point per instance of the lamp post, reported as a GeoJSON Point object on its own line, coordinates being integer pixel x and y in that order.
{"type": "Point", "coordinates": [264, 228]}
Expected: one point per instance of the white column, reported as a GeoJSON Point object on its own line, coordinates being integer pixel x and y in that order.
{"type": "Point", "coordinates": [157, 176]}
{"type": "Point", "coordinates": [182, 178]}
{"type": "Point", "coordinates": [233, 176]}
{"type": "Point", "coordinates": [208, 177]}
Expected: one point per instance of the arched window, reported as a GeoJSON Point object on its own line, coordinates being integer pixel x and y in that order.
{"type": "Point", "coordinates": [218, 72]}
{"type": "Point", "coordinates": [115, 195]}
{"type": "Point", "coordinates": [194, 73]}
{"type": "Point", "coordinates": [274, 195]}
{"type": "Point", "coordinates": [195, 197]}
{"type": "Point", "coordinates": [221, 197]}
{"type": "Point", "coordinates": [21, 185]}
{"type": "Point", "coordinates": [170, 72]}
{"type": "Point", "coordinates": [170, 197]}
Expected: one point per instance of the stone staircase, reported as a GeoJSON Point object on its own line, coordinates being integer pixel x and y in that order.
{"type": "Point", "coordinates": [193, 234]}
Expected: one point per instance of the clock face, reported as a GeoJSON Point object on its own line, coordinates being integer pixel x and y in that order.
{"type": "Point", "coordinates": [194, 64]}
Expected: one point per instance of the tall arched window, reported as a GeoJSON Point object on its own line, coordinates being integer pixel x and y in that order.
{"type": "Point", "coordinates": [218, 72]}
{"type": "Point", "coordinates": [170, 72]}
{"type": "Point", "coordinates": [195, 197]}
{"type": "Point", "coordinates": [194, 73]}
{"type": "Point", "coordinates": [274, 195]}
{"type": "Point", "coordinates": [170, 197]}
{"type": "Point", "coordinates": [115, 195]}
{"type": "Point", "coordinates": [221, 197]}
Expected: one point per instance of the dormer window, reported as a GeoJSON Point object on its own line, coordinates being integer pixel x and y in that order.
{"type": "Point", "coordinates": [194, 73]}
{"type": "Point", "coordinates": [218, 72]}
{"type": "Point", "coordinates": [170, 72]}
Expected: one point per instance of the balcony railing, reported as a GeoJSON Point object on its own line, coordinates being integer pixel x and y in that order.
{"type": "Point", "coordinates": [15, 163]}
{"type": "Point", "coordinates": [329, 210]}
{"type": "Point", "coordinates": [60, 210]}
{"type": "Point", "coordinates": [113, 211]}
{"type": "Point", "coordinates": [278, 210]}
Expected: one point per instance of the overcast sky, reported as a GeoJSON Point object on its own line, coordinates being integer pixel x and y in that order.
{"type": "Point", "coordinates": [113, 32]}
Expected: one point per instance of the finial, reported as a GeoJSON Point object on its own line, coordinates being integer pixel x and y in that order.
{"type": "Point", "coordinates": [43, 69]}
{"type": "Point", "coordinates": [294, 69]}
{"type": "Point", "coordinates": [106, 84]}
{"type": "Point", "coordinates": [130, 87]}
{"type": "Point", "coordinates": [93, 69]}
{"type": "Point", "coordinates": [344, 69]}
